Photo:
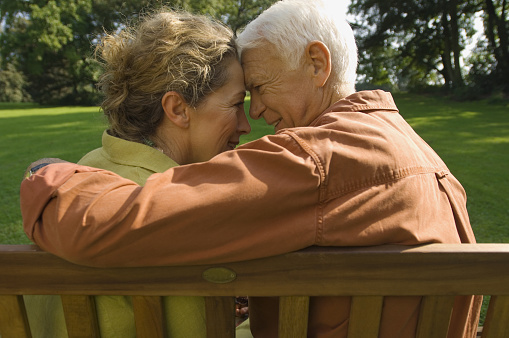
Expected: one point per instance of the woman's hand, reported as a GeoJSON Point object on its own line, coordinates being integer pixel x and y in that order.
{"type": "Point", "coordinates": [241, 309]}
{"type": "Point", "coordinates": [32, 168]}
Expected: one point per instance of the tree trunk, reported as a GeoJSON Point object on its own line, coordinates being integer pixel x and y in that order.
{"type": "Point", "coordinates": [455, 37]}
{"type": "Point", "coordinates": [498, 25]}
{"type": "Point", "coordinates": [504, 39]}
{"type": "Point", "coordinates": [448, 71]}
{"type": "Point", "coordinates": [492, 22]}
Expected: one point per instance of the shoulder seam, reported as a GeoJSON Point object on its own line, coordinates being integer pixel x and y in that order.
{"type": "Point", "coordinates": [323, 183]}
{"type": "Point", "coordinates": [305, 146]}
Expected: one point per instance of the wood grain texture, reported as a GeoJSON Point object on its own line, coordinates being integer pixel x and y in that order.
{"type": "Point", "coordinates": [220, 315]}
{"type": "Point", "coordinates": [293, 316]}
{"type": "Point", "coordinates": [497, 318]}
{"type": "Point", "coordinates": [435, 316]}
{"type": "Point", "coordinates": [149, 316]}
{"type": "Point", "coordinates": [80, 316]}
{"type": "Point", "coordinates": [365, 315]}
{"type": "Point", "coordinates": [13, 318]}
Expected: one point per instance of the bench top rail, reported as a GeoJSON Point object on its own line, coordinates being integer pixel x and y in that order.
{"type": "Point", "coordinates": [433, 269]}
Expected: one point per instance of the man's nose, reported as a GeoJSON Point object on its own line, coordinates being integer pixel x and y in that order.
{"type": "Point", "coordinates": [256, 108]}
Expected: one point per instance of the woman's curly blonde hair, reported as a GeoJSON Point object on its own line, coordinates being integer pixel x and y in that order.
{"type": "Point", "coordinates": [166, 51]}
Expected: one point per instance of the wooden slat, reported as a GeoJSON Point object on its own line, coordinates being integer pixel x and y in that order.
{"type": "Point", "coordinates": [80, 316]}
{"type": "Point", "coordinates": [149, 316]}
{"type": "Point", "coordinates": [13, 317]}
{"type": "Point", "coordinates": [293, 316]}
{"type": "Point", "coordinates": [335, 271]}
{"type": "Point", "coordinates": [435, 316]}
{"type": "Point", "coordinates": [365, 315]}
{"type": "Point", "coordinates": [220, 317]}
{"type": "Point", "coordinates": [496, 323]}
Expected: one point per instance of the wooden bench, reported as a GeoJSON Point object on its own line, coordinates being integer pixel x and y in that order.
{"type": "Point", "coordinates": [435, 271]}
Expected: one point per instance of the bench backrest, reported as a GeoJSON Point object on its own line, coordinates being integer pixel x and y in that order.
{"type": "Point", "coordinates": [436, 271]}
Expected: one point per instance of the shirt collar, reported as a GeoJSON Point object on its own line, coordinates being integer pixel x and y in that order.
{"type": "Point", "coordinates": [362, 101]}
{"type": "Point", "coordinates": [135, 154]}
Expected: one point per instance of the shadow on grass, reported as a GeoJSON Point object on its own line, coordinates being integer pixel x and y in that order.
{"type": "Point", "coordinates": [15, 105]}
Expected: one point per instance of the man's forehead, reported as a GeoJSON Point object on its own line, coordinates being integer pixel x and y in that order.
{"type": "Point", "coordinates": [250, 80]}
{"type": "Point", "coordinates": [264, 52]}
{"type": "Point", "coordinates": [253, 64]}
{"type": "Point", "coordinates": [258, 61]}
{"type": "Point", "coordinates": [251, 56]}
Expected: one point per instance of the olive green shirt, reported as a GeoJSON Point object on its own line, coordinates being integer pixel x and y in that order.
{"type": "Point", "coordinates": [134, 161]}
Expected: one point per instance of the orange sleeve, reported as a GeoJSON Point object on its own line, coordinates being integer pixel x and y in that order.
{"type": "Point", "coordinates": [234, 207]}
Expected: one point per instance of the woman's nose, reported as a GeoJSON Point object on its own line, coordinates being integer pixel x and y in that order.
{"type": "Point", "coordinates": [243, 125]}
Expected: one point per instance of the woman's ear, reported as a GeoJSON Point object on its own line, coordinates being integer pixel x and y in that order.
{"type": "Point", "coordinates": [176, 109]}
{"type": "Point", "coordinates": [318, 55]}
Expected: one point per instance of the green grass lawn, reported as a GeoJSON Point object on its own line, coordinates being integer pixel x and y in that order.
{"type": "Point", "coordinates": [29, 132]}
{"type": "Point", "coordinates": [471, 137]}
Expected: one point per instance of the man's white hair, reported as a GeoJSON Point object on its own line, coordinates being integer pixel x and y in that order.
{"type": "Point", "coordinates": [291, 24]}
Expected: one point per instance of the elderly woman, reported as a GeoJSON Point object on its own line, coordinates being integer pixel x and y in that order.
{"type": "Point", "coordinates": [174, 95]}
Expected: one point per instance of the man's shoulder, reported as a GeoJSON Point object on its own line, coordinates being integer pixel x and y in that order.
{"type": "Point", "coordinates": [376, 140]}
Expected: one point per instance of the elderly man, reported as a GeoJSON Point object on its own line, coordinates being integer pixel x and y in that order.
{"type": "Point", "coordinates": [343, 169]}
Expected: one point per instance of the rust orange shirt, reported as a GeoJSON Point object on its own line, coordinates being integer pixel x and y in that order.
{"type": "Point", "coordinates": [357, 176]}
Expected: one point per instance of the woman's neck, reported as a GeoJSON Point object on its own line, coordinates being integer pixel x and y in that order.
{"type": "Point", "coordinates": [172, 142]}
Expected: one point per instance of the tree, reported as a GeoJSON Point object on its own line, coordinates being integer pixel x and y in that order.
{"type": "Point", "coordinates": [416, 40]}
{"type": "Point", "coordinates": [483, 70]}
{"type": "Point", "coordinates": [12, 85]}
{"type": "Point", "coordinates": [496, 25]}
{"type": "Point", "coordinates": [43, 38]}
{"type": "Point", "coordinates": [238, 13]}
{"type": "Point", "coordinates": [52, 41]}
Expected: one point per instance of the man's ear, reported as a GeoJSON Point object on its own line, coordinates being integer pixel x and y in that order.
{"type": "Point", "coordinates": [318, 55]}
{"type": "Point", "coordinates": [176, 109]}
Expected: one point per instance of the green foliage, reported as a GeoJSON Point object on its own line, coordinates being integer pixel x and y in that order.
{"type": "Point", "coordinates": [53, 41]}
{"type": "Point", "coordinates": [483, 66]}
{"type": "Point", "coordinates": [49, 42]}
{"type": "Point", "coordinates": [47, 26]}
{"type": "Point", "coordinates": [237, 14]}
{"type": "Point", "coordinates": [413, 42]}
{"type": "Point", "coordinates": [496, 23]}
{"type": "Point", "coordinates": [416, 43]}
{"type": "Point", "coordinates": [402, 44]}
{"type": "Point", "coordinates": [12, 85]}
